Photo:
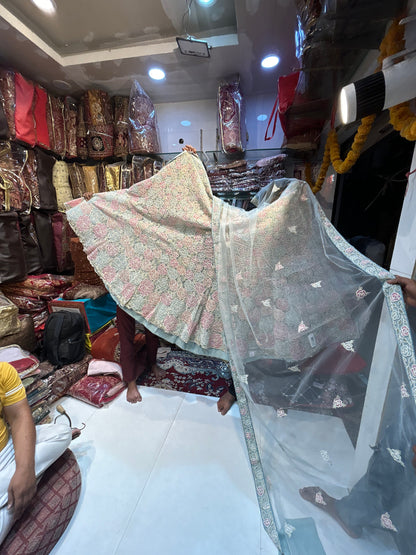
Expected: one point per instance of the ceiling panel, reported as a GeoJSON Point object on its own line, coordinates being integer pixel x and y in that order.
{"type": "Point", "coordinates": [111, 43]}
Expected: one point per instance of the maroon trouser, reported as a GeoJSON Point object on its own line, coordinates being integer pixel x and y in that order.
{"type": "Point", "coordinates": [134, 362]}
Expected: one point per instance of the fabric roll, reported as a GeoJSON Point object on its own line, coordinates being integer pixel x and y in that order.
{"type": "Point", "coordinates": [47, 192]}
{"type": "Point", "coordinates": [76, 179]}
{"type": "Point", "coordinates": [43, 225]}
{"type": "Point", "coordinates": [82, 147]}
{"type": "Point", "coordinates": [41, 122]}
{"type": "Point", "coordinates": [143, 129]}
{"type": "Point", "coordinates": [24, 118]}
{"type": "Point", "coordinates": [8, 98]}
{"type": "Point", "coordinates": [60, 180]}
{"type": "Point", "coordinates": [121, 125]}
{"type": "Point", "coordinates": [113, 176]}
{"type": "Point", "coordinates": [71, 114]}
{"type": "Point", "coordinates": [56, 124]}
{"type": "Point", "coordinates": [31, 246]}
{"type": "Point", "coordinates": [99, 118]}
{"type": "Point", "coordinates": [31, 178]}
{"type": "Point", "coordinates": [12, 257]}
{"type": "Point", "coordinates": [91, 179]}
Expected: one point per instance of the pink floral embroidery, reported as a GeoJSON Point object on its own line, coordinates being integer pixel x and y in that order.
{"type": "Point", "coordinates": [404, 331]}
{"type": "Point", "coordinates": [128, 291]}
{"type": "Point", "coordinates": [302, 327]}
{"type": "Point", "coordinates": [319, 499]}
{"type": "Point", "coordinates": [145, 287]}
{"type": "Point", "coordinates": [413, 370]}
{"type": "Point", "coordinates": [387, 523]}
{"type": "Point", "coordinates": [170, 323]}
{"type": "Point", "coordinates": [361, 293]}
{"type": "Point", "coordinates": [394, 297]}
{"type": "Point", "coordinates": [403, 391]}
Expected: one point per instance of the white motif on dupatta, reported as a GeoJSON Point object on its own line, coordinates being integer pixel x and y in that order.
{"type": "Point", "coordinates": [294, 368]}
{"type": "Point", "coordinates": [325, 456]}
{"type": "Point", "coordinates": [319, 499]}
{"type": "Point", "coordinates": [396, 455]}
{"type": "Point", "coordinates": [234, 308]}
{"type": "Point", "coordinates": [387, 523]}
{"type": "Point", "coordinates": [403, 391]}
{"type": "Point", "coordinates": [289, 529]}
{"type": "Point", "coordinates": [243, 378]}
{"type": "Point", "coordinates": [302, 327]}
{"type": "Point", "coordinates": [292, 229]}
{"type": "Point", "coordinates": [239, 276]}
{"type": "Point", "coordinates": [317, 284]}
{"type": "Point", "coordinates": [349, 346]}
{"type": "Point", "coordinates": [280, 413]}
{"type": "Point", "coordinates": [338, 403]}
{"type": "Point", "coordinates": [279, 266]}
{"type": "Point", "coordinates": [361, 293]}
{"type": "Point", "coordinates": [267, 302]}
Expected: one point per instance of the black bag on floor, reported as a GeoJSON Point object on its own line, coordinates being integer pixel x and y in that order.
{"type": "Point", "coordinates": [64, 338]}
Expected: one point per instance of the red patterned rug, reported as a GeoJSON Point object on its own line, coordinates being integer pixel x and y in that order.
{"type": "Point", "coordinates": [191, 374]}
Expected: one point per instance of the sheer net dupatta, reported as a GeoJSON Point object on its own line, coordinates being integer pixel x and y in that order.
{"type": "Point", "coordinates": [324, 368]}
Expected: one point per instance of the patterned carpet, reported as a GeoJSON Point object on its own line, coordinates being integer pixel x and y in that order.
{"type": "Point", "coordinates": [190, 373]}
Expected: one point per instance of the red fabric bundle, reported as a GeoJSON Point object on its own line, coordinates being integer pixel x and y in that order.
{"type": "Point", "coordinates": [97, 390]}
{"type": "Point", "coordinates": [231, 117]}
{"type": "Point", "coordinates": [40, 108]}
{"type": "Point", "coordinates": [23, 116]}
{"type": "Point", "coordinates": [143, 131]}
{"type": "Point", "coordinates": [107, 345]}
{"type": "Point", "coordinates": [56, 124]}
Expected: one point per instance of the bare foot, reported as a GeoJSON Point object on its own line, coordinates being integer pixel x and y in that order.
{"type": "Point", "coordinates": [225, 402]}
{"type": "Point", "coordinates": [133, 394]}
{"type": "Point", "coordinates": [158, 372]}
{"type": "Point", "coordinates": [322, 500]}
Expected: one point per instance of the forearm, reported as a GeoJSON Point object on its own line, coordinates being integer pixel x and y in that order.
{"type": "Point", "coordinates": [24, 440]}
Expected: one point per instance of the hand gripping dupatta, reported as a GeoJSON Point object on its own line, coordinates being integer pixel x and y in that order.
{"type": "Point", "coordinates": [319, 344]}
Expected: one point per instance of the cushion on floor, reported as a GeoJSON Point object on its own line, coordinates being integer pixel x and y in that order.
{"type": "Point", "coordinates": [50, 511]}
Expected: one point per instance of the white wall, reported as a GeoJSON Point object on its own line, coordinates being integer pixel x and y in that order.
{"type": "Point", "coordinates": [203, 115]}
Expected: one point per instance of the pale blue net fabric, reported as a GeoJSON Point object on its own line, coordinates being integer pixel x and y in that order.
{"type": "Point", "coordinates": [323, 363]}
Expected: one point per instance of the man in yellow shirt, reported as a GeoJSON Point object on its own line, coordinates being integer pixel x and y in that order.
{"type": "Point", "coordinates": [27, 453]}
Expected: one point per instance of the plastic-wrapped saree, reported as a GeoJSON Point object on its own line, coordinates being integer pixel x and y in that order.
{"type": "Point", "coordinates": [319, 344]}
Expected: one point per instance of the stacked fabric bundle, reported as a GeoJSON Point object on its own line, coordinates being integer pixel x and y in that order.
{"type": "Point", "coordinates": [31, 296]}
{"type": "Point", "coordinates": [27, 366]}
{"type": "Point", "coordinates": [99, 119]}
{"type": "Point", "coordinates": [241, 175]}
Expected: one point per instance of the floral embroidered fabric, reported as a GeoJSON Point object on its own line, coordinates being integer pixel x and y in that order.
{"type": "Point", "coordinates": [152, 246]}
{"type": "Point", "coordinates": [319, 344]}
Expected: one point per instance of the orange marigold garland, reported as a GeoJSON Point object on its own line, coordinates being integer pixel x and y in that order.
{"type": "Point", "coordinates": [401, 118]}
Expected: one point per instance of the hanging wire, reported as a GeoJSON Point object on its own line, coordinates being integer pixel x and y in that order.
{"type": "Point", "coordinates": [185, 18]}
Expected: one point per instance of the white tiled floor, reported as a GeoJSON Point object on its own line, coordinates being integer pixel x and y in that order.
{"type": "Point", "coordinates": [168, 476]}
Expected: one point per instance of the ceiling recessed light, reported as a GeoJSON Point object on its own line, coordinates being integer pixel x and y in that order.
{"type": "Point", "coordinates": [156, 73]}
{"type": "Point", "coordinates": [185, 123]}
{"type": "Point", "coordinates": [206, 3]}
{"type": "Point", "coordinates": [261, 117]}
{"type": "Point", "coordinates": [270, 61]}
{"type": "Point", "coordinates": [47, 6]}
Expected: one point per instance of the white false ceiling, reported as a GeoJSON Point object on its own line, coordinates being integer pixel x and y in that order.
{"type": "Point", "coordinates": [108, 44]}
